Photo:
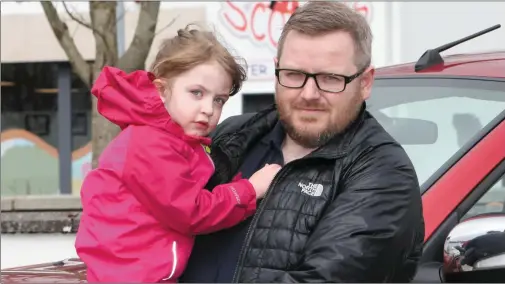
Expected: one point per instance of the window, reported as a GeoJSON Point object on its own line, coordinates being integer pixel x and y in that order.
{"type": "Point", "coordinates": [30, 102]}
{"type": "Point", "coordinates": [81, 113]}
{"type": "Point", "coordinates": [434, 117]}
{"type": "Point", "coordinates": [29, 99]}
{"type": "Point", "coordinates": [493, 201]}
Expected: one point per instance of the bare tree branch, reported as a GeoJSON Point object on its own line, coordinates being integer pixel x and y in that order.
{"type": "Point", "coordinates": [74, 17]}
{"type": "Point", "coordinates": [83, 23]}
{"type": "Point", "coordinates": [136, 54]}
{"type": "Point", "coordinates": [60, 30]}
{"type": "Point", "coordinates": [167, 25]}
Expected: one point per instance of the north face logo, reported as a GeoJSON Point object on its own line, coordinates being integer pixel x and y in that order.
{"type": "Point", "coordinates": [312, 189]}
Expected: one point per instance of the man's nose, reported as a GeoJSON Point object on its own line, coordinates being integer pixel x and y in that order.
{"type": "Point", "coordinates": [310, 91]}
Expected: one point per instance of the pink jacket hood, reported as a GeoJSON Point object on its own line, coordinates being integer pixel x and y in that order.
{"type": "Point", "coordinates": [131, 99]}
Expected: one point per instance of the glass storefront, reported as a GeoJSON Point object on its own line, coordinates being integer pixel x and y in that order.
{"type": "Point", "coordinates": [30, 132]}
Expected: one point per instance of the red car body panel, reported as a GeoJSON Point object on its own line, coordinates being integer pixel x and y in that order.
{"type": "Point", "coordinates": [459, 181]}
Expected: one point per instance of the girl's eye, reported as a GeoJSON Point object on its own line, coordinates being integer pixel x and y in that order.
{"type": "Point", "coordinates": [197, 93]}
{"type": "Point", "coordinates": [220, 101]}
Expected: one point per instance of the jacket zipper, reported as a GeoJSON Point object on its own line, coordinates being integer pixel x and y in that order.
{"type": "Point", "coordinates": [280, 174]}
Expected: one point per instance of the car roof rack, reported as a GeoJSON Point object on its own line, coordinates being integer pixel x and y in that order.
{"type": "Point", "coordinates": [432, 57]}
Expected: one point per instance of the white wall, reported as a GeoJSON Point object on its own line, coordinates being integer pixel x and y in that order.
{"type": "Point", "coordinates": [426, 25]}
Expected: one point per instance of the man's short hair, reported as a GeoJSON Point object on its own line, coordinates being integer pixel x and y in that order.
{"type": "Point", "coordinates": [319, 17]}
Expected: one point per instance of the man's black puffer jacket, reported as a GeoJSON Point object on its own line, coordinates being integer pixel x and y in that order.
{"type": "Point", "coordinates": [348, 212]}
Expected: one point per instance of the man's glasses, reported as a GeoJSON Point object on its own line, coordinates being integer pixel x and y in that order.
{"type": "Point", "coordinates": [327, 82]}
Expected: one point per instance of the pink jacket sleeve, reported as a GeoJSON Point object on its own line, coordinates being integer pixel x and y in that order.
{"type": "Point", "coordinates": [159, 176]}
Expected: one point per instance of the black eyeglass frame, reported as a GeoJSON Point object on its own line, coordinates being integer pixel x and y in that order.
{"type": "Point", "coordinates": [347, 79]}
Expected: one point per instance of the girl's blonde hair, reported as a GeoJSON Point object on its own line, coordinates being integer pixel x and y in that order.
{"type": "Point", "coordinates": [192, 47]}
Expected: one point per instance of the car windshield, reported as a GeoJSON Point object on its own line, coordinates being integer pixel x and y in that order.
{"type": "Point", "coordinates": [433, 117]}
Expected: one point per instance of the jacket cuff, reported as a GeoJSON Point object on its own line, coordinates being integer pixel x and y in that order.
{"type": "Point", "coordinates": [245, 194]}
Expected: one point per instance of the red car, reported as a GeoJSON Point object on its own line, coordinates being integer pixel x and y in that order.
{"type": "Point", "coordinates": [449, 114]}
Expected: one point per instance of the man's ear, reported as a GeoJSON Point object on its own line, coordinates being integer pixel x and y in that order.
{"type": "Point", "coordinates": [162, 90]}
{"type": "Point", "coordinates": [276, 62]}
{"type": "Point", "coordinates": [367, 79]}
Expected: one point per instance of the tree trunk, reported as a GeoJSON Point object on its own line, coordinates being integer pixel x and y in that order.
{"type": "Point", "coordinates": [103, 22]}
{"type": "Point", "coordinates": [102, 130]}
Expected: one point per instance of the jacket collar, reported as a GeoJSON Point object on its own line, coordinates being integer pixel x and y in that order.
{"type": "Point", "coordinates": [275, 137]}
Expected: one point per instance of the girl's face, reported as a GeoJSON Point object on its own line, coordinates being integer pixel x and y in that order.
{"type": "Point", "coordinates": [195, 99]}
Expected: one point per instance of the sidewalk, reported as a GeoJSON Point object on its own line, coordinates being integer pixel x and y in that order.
{"type": "Point", "coordinates": [40, 214]}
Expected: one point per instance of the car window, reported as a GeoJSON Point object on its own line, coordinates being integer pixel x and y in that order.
{"type": "Point", "coordinates": [434, 118]}
{"type": "Point", "coordinates": [493, 201]}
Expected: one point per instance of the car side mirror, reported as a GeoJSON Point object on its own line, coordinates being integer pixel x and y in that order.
{"type": "Point", "coordinates": [476, 245]}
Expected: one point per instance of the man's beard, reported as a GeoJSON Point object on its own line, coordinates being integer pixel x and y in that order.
{"type": "Point", "coordinates": [337, 124]}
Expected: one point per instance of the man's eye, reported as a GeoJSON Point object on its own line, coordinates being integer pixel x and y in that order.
{"type": "Point", "coordinates": [295, 75]}
{"type": "Point", "coordinates": [330, 78]}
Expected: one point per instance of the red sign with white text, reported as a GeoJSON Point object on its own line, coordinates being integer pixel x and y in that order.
{"type": "Point", "coordinates": [256, 22]}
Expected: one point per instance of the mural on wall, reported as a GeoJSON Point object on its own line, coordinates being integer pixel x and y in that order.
{"type": "Point", "coordinates": [30, 165]}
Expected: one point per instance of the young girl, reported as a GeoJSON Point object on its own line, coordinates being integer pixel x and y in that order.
{"type": "Point", "coordinates": [146, 200]}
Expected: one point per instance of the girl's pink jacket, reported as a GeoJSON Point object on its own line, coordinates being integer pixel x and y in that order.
{"type": "Point", "coordinates": [145, 202]}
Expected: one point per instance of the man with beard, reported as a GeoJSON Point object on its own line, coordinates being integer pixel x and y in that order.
{"type": "Point", "coordinates": [346, 205]}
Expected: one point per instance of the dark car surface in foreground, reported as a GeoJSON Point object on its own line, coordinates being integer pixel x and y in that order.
{"type": "Point", "coordinates": [449, 115]}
